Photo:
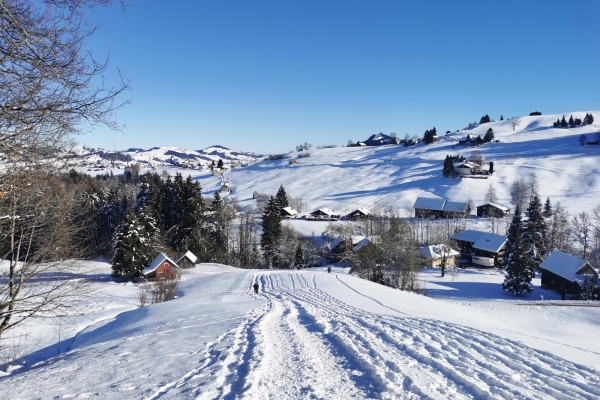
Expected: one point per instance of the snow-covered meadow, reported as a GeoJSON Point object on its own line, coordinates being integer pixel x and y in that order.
{"type": "Point", "coordinates": [310, 334]}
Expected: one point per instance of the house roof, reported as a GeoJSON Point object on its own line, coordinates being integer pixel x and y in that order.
{"type": "Point", "coordinates": [189, 255]}
{"type": "Point", "coordinates": [468, 164]}
{"type": "Point", "coordinates": [481, 240]}
{"type": "Point", "coordinates": [565, 265]}
{"type": "Point", "coordinates": [363, 211]}
{"type": "Point", "coordinates": [157, 262]}
{"type": "Point", "coordinates": [498, 206]}
{"type": "Point", "coordinates": [455, 206]}
{"type": "Point", "coordinates": [428, 203]}
{"type": "Point", "coordinates": [435, 251]}
{"type": "Point", "coordinates": [289, 210]}
{"type": "Point", "coordinates": [323, 210]}
{"type": "Point", "coordinates": [359, 241]}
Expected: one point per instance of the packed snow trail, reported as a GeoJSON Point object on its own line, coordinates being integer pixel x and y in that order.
{"type": "Point", "coordinates": [305, 343]}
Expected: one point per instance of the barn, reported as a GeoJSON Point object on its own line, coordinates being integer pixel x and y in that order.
{"type": "Point", "coordinates": [186, 261]}
{"type": "Point", "coordinates": [359, 213]}
{"type": "Point", "coordinates": [492, 210]}
{"type": "Point", "coordinates": [566, 274]}
{"type": "Point", "coordinates": [480, 248]}
{"type": "Point", "coordinates": [162, 268]}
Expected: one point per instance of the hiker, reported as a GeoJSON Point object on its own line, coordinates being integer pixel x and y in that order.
{"type": "Point", "coordinates": [328, 270]}
{"type": "Point", "coordinates": [255, 286]}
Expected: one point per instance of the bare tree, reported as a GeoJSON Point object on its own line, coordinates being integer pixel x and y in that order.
{"type": "Point", "coordinates": [582, 232]}
{"type": "Point", "coordinates": [514, 122]}
{"type": "Point", "coordinates": [490, 195]}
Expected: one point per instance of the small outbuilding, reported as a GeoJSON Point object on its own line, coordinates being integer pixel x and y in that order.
{"type": "Point", "coordinates": [492, 210]}
{"type": "Point", "coordinates": [434, 254]}
{"type": "Point", "coordinates": [162, 268]}
{"type": "Point", "coordinates": [186, 261]}
{"type": "Point", "coordinates": [426, 207]}
{"type": "Point", "coordinates": [567, 274]}
{"type": "Point", "coordinates": [288, 212]}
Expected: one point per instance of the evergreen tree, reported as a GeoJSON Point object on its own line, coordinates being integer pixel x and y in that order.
{"type": "Point", "coordinates": [489, 135]}
{"type": "Point", "coordinates": [133, 250]}
{"type": "Point", "coordinates": [518, 275]}
{"type": "Point", "coordinates": [430, 136]}
{"type": "Point", "coordinates": [449, 171]}
{"type": "Point", "coordinates": [186, 213]}
{"type": "Point", "coordinates": [299, 257]}
{"type": "Point", "coordinates": [281, 198]}
{"type": "Point", "coordinates": [589, 119]}
{"type": "Point", "coordinates": [501, 118]}
{"type": "Point", "coordinates": [217, 237]}
{"type": "Point", "coordinates": [270, 239]}
{"type": "Point", "coordinates": [547, 208]}
{"type": "Point", "coordinates": [563, 122]}
{"type": "Point", "coordinates": [571, 122]}
{"type": "Point", "coordinates": [220, 163]}
{"type": "Point", "coordinates": [535, 234]}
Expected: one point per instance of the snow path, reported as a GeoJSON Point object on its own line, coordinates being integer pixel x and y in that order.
{"type": "Point", "coordinates": [305, 343]}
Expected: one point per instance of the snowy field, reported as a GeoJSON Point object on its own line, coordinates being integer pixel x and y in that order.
{"type": "Point", "coordinates": [310, 334]}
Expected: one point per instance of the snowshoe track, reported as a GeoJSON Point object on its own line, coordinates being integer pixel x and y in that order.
{"type": "Point", "coordinates": [305, 343]}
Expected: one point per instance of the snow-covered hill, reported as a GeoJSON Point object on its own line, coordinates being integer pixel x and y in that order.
{"type": "Point", "coordinates": [391, 177]}
{"type": "Point", "coordinates": [310, 334]}
{"type": "Point", "coordinates": [165, 156]}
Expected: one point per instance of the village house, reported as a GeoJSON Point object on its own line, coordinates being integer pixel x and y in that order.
{"type": "Point", "coordinates": [186, 261]}
{"type": "Point", "coordinates": [162, 268]}
{"type": "Point", "coordinates": [324, 214]}
{"type": "Point", "coordinates": [338, 247]}
{"type": "Point", "coordinates": [468, 168]}
{"type": "Point", "coordinates": [480, 248]}
{"type": "Point", "coordinates": [470, 140]}
{"type": "Point", "coordinates": [427, 207]}
{"type": "Point", "coordinates": [492, 210]}
{"type": "Point", "coordinates": [359, 213]}
{"type": "Point", "coordinates": [288, 212]}
{"type": "Point", "coordinates": [433, 255]}
{"type": "Point", "coordinates": [566, 274]}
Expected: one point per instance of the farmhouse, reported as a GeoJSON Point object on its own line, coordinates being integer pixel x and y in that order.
{"type": "Point", "coordinates": [433, 255]}
{"type": "Point", "coordinates": [492, 210]}
{"type": "Point", "coordinates": [480, 248]}
{"type": "Point", "coordinates": [566, 274]}
{"type": "Point", "coordinates": [427, 207]}
{"type": "Point", "coordinates": [186, 261]}
{"type": "Point", "coordinates": [324, 214]}
{"type": "Point", "coordinates": [359, 213]}
{"type": "Point", "coordinates": [162, 268]}
{"type": "Point", "coordinates": [468, 168]}
{"type": "Point", "coordinates": [338, 247]}
{"type": "Point", "coordinates": [469, 140]}
{"type": "Point", "coordinates": [288, 212]}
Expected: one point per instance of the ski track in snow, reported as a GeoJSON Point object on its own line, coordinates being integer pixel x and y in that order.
{"type": "Point", "coordinates": [304, 343]}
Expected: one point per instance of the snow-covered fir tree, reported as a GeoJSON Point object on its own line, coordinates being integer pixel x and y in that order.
{"type": "Point", "coordinates": [535, 234]}
{"type": "Point", "coordinates": [518, 274]}
{"type": "Point", "coordinates": [270, 239]}
{"type": "Point", "coordinates": [281, 198]}
{"type": "Point", "coordinates": [217, 237]}
{"type": "Point", "coordinates": [299, 257]}
{"type": "Point", "coordinates": [133, 249]}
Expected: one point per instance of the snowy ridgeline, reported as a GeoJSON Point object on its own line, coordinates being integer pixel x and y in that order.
{"type": "Point", "coordinates": [310, 334]}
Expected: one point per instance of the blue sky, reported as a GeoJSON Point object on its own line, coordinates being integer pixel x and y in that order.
{"type": "Point", "coordinates": [265, 76]}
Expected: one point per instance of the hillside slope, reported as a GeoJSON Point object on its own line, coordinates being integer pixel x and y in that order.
{"type": "Point", "coordinates": [310, 334]}
{"type": "Point", "coordinates": [391, 177]}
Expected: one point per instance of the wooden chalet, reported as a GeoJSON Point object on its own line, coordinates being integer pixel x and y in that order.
{"type": "Point", "coordinates": [359, 213]}
{"type": "Point", "coordinates": [492, 210]}
{"type": "Point", "coordinates": [433, 255]}
{"type": "Point", "coordinates": [186, 261]}
{"type": "Point", "coordinates": [338, 247]}
{"type": "Point", "coordinates": [162, 268]}
{"type": "Point", "coordinates": [468, 168]}
{"type": "Point", "coordinates": [324, 214]}
{"type": "Point", "coordinates": [288, 212]}
{"type": "Point", "coordinates": [426, 207]}
{"type": "Point", "coordinates": [566, 274]}
{"type": "Point", "coordinates": [480, 248]}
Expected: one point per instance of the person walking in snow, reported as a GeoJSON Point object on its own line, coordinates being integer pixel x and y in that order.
{"type": "Point", "coordinates": [255, 286]}
{"type": "Point", "coordinates": [328, 270]}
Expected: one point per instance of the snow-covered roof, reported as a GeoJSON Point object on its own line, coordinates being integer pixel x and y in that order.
{"type": "Point", "coordinates": [361, 210]}
{"type": "Point", "coordinates": [157, 262]}
{"type": "Point", "coordinates": [290, 210]}
{"type": "Point", "coordinates": [455, 206]}
{"type": "Point", "coordinates": [468, 164]}
{"type": "Point", "coordinates": [359, 241]}
{"type": "Point", "coordinates": [498, 206]}
{"type": "Point", "coordinates": [566, 266]}
{"type": "Point", "coordinates": [435, 251]}
{"type": "Point", "coordinates": [323, 210]}
{"type": "Point", "coordinates": [481, 240]}
{"type": "Point", "coordinates": [428, 203]}
{"type": "Point", "coordinates": [189, 255]}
